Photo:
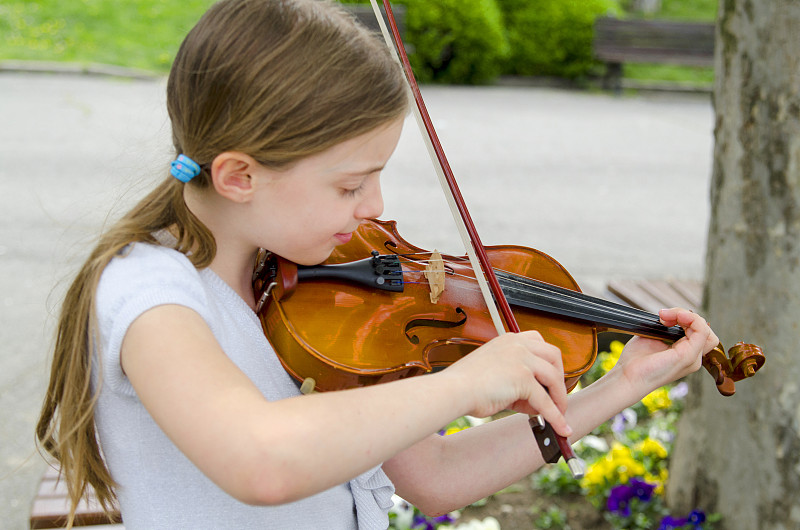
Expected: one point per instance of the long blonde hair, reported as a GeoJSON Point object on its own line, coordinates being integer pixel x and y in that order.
{"type": "Point", "coordinates": [279, 80]}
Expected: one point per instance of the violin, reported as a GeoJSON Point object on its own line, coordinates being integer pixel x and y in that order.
{"type": "Point", "coordinates": [369, 336]}
{"type": "Point", "coordinates": [381, 309]}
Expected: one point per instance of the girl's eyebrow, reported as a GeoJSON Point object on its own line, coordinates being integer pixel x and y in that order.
{"type": "Point", "coordinates": [359, 172]}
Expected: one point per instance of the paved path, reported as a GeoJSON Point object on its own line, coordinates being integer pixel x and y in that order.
{"type": "Point", "coordinates": [609, 186]}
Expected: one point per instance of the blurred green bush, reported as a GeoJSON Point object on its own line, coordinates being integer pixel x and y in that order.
{"type": "Point", "coordinates": [552, 37]}
{"type": "Point", "coordinates": [454, 41]}
{"type": "Point", "coordinates": [474, 41]}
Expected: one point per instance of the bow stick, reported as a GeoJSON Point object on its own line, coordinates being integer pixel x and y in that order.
{"type": "Point", "coordinates": [472, 242]}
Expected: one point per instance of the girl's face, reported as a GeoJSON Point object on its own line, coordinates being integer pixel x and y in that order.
{"type": "Point", "coordinates": [315, 205]}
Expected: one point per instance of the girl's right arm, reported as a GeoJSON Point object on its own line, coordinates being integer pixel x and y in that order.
{"type": "Point", "coordinates": [265, 452]}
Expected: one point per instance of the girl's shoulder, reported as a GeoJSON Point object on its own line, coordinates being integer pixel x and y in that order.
{"type": "Point", "coordinates": [141, 277]}
{"type": "Point", "coordinates": [150, 260]}
{"type": "Point", "coordinates": [149, 274]}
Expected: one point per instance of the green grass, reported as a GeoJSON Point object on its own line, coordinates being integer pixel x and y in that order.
{"type": "Point", "coordinates": [690, 75]}
{"type": "Point", "coordinates": [689, 10]}
{"type": "Point", "coordinates": [146, 33]}
{"type": "Point", "coordinates": [134, 33]}
{"type": "Point", "coordinates": [684, 10]}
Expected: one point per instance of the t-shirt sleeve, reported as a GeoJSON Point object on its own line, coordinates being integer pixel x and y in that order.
{"type": "Point", "coordinates": [140, 278]}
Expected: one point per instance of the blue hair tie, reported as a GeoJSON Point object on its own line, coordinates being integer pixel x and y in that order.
{"type": "Point", "coordinates": [184, 168]}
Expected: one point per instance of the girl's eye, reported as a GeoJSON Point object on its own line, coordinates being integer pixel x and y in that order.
{"type": "Point", "coordinates": [353, 191]}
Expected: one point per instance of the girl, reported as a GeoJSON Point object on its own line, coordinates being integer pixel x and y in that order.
{"type": "Point", "coordinates": [165, 393]}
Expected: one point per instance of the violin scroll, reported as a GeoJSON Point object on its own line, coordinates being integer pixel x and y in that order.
{"type": "Point", "coordinates": [743, 360]}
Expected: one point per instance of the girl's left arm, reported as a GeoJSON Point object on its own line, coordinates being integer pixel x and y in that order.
{"type": "Point", "coordinates": [444, 473]}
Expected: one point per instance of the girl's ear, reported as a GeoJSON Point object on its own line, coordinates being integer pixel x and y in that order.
{"type": "Point", "coordinates": [232, 175]}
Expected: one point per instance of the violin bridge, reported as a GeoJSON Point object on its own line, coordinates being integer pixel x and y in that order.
{"type": "Point", "coordinates": [434, 272]}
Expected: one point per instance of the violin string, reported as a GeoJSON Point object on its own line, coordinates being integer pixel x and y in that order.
{"type": "Point", "coordinates": [596, 307]}
{"type": "Point", "coordinates": [555, 293]}
{"type": "Point", "coordinates": [582, 302]}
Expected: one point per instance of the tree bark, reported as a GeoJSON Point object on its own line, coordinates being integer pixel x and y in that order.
{"type": "Point", "coordinates": [740, 456]}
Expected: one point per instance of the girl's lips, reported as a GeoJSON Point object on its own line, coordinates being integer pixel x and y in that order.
{"type": "Point", "coordinates": [344, 238]}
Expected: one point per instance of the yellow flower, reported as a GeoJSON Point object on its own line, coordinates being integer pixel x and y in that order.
{"type": "Point", "coordinates": [650, 447]}
{"type": "Point", "coordinates": [620, 451]}
{"type": "Point", "coordinates": [617, 467]}
{"type": "Point", "coordinates": [454, 429]}
{"type": "Point", "coordinates": [609, 359]}
{"type": "Point", "coordinates": [659, 480]}
{"type": "Point", "coordinates": [657, 400]}
{"type": "Point", "coordinates": [596, 475]}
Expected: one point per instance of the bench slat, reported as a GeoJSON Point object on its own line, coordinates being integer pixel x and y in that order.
{"type": "Point", "coordinates": [51, 506]}
{"type": "Point", "coordinates": [652, 295]}
{"type": "Point", "coordinates": [663, 291]}
{"type": "Point", "coordinates": [52, 513]}
{"type": "Point", "coordinates": [632, 294]}
{"type": "Point", "coordinates": [618, 41]}
{"type": "Point", "coordinates": [692, 290]}
{"type": "Point", "coordinates": [654, 41]}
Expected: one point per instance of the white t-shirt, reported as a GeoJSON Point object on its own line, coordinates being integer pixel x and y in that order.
{"type": "Point", "coordinates": [158, 486]}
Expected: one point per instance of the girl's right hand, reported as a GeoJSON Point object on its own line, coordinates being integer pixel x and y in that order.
{"type": "Point", "coordinates": [517, 371]}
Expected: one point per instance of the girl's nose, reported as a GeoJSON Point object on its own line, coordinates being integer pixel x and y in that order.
{"type": "Point", "coordinates": [371, 207]}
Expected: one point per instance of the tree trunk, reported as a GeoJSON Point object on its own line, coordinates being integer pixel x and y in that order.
{"type": "Point", "coordinates": [740, 456]}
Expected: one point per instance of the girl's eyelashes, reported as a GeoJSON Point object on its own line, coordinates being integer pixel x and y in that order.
{"type": "Point", "coordinates": [350, 189]}
{"type": "Point", "coordinates": [352, 192]}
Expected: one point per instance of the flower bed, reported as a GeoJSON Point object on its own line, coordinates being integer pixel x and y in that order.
{"type": "Point", "coordinates": [623, 488]}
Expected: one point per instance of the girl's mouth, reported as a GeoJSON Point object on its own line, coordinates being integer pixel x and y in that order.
{"type": "Point", "coordinates": [344, 238]}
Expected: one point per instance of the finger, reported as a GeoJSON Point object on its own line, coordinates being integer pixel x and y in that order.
{"type": "Point", "coordinates": [698, 331]}
{"type": "Point", "coordinates": [699, 339]}
{"type": "Point", "coordinates": [541, 403]}
{"type": "Point", "coordinates": [670, 316]}
{"type": "Point", "coordinates": [712, 341]}
{"type": "Point", "coordinates": [691, 322]}
{"type": "Point", "coordinates": [535, 343]}
{"type": "Point", "coordinates": [552, 379]}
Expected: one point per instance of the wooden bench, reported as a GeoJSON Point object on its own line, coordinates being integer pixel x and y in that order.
{"type": "Point", "coordinates": [652, 295]}
{"type": "Point", "coordinates": [617, 42]}
{"type": "Point", "coordinates": [51, 507]}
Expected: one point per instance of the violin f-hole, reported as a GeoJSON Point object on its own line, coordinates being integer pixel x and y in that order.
{"type": "Point", "coordinates": [433, 322]}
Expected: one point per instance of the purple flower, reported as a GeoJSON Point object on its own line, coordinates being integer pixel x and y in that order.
{"type": "Point", "coordinates": [679, 391]}
{"type": "Point", "coordinates": [424, 523]}
{"type": "Point", "coordinates": [624, 420]}
{"type": "Point", "coordinates": [696, 519]}
{"type": "Point", "coordinates": [671, 523]}
{"type": "Point", "coordinates": [642, 490]}
{"type": "Point", "coordinates": [619, 499]}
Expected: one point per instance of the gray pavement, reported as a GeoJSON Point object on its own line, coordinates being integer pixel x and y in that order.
{"type": "Point", "coordinates": [609, 186]}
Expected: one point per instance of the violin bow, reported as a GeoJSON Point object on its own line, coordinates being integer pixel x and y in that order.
{"type": "Point", "coordinates": [544, 434]}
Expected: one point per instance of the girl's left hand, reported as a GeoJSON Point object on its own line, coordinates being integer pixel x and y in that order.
{"type": "Point", "coordinates": [649, 364]}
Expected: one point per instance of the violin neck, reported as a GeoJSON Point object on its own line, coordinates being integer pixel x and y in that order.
{"type": "Point", "coordinates": [532, 294]}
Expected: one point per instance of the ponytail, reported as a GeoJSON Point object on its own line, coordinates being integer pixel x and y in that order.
{"type": "Point", "coordinates": [65, 429]}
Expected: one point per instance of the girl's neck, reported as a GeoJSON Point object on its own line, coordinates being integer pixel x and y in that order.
{"type": "Point", "coordinates": [234, 258]}
{"type": "Point", "coordinates": [235, 267]}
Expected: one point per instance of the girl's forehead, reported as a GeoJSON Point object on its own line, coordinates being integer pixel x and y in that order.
{"type": "Point", "coordinates": [363, 154]}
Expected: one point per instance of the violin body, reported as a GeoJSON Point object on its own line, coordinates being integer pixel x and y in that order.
{"type": "Point", "coordinates": [344, 335]}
